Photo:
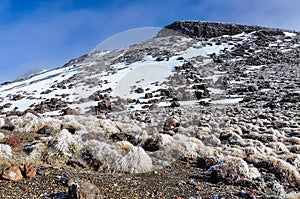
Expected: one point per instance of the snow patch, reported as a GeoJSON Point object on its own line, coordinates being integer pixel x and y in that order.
{"type": "Point", "coordinates": [289, 34]}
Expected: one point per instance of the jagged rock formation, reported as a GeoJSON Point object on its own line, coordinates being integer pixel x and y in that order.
{"type": "Point", "coordinates": [213, 29]}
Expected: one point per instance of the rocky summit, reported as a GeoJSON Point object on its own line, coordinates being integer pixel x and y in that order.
{"type": "Point", "coordinates": [202, 110]}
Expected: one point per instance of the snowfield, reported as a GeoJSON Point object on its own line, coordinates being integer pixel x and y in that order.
{"type": "Point", "coordinates": [124, 77]}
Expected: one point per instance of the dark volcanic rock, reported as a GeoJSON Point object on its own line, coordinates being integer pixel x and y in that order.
{"type": "Point", "coordinates": [104, 106]}
{"type": "Point", "coordinates": [148, 95]}
{"type": "Point", "coordinates": [69, 111]}
{"type": "Point", "coordinates": [139, 90]}
{"type": "Point", "coordinates": [175, 104]}
{"type": "Point", "coordinates": [206, 162]}
{"type": "Point", "coordinates": [208, 29]}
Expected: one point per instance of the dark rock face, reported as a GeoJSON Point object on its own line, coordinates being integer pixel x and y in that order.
{"type": "Point", "coordinates": [212, 29]}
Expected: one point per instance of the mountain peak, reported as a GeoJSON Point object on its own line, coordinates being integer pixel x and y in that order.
{"type": "Point", "coordinates": [208, 30]}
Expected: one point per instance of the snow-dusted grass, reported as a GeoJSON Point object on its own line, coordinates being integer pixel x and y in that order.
{"type": "Point", "coordinates": [36, 154]}
{"type": "Point", "coordinates": [182, 146]}
{"type": "Point", "coordinates": [67, 144]}
{"type": "Point", "coordinates": [293, 195]}
{"type": "Point", "coordinates": [2, 122]}
{"type": "Point", "coordinates": [5, 152]}
{"type": "Point", "coordinates": [121, 156]}
{"type": "Point", "coordinates": [31, 123]}
{"type": "Point", "coordinates": [133, 160]}
{"type": "Point", "coordinates": [2, 136]}
{"type": "Point", "coordinates": [241, 167]}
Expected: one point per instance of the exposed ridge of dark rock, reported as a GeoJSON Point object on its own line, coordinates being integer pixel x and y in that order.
{"type": "Point", "coordinates": [212, 29]}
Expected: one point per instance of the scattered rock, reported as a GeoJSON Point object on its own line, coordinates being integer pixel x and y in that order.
{"type": "Point", "coordinates": [218, 172]}
{"type": "Point", "coordinates": [17, 97]}
{"type": "Point", "coordinates": [160, 59]}
{"type": "Point", "coordinates": [252, 88]}
{"type": "Point", "coordinates": [69, 111]}
{"type": "Point", "coordinates": [171, 123]}
{"type": "Point", "coordinates": [139, 90]}
{"type": "Point", "coordinates": [199, 95]}
{"type": "Point", "coordinates": [148, 95]}
{"type": "Point", "coordinates": [167, 92]}
{"type": "Point", "coordinates": [7, 105]}
{"type": "Point", "coordinates": [175, 104]}
{"type": "Point", "coordinates": [187, 65]}
{"type": "Point", "coordinates": [206, 162]}
{"type": "Point", "coordinates": [104, 106]}
{"type": "Point", "coordinates": [200, 86]}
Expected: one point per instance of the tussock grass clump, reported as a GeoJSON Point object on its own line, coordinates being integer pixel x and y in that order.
{"type": "Point", "coordinates": [66, 143]}
{"type": "Point", "coordinates": [121, 156]}
{"type": "Point", "coordinates": [5, 152]}
{"type": "Point", "coordinates": [31, 123]}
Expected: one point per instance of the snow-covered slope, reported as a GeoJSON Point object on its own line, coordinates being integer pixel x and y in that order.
{"type": "Point", "coordinates": [146, 68]}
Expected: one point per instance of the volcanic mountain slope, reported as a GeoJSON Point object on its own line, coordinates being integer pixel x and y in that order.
{"type": "Point", "coordinates": [187, 61]}
{"type": "Point", "coordinates": [223, 98]}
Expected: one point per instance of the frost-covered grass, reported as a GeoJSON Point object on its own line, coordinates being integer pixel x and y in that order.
{"type": "Point", "coordinates": [133, 159]}
{"type": "Point", "coordinates": [5, 152]}
{"type": "Point", "coordinates": [66, 143]}
{"type": "Point", "coordinates": [118, 142]}
{"type": "Point", "coordinates": [121, 156]}
{"type": "Point", "coordinates": [31, 123]}
{"type": "Point", "coordinates": [2, 122]}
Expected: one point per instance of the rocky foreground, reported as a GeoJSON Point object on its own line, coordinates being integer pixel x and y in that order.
{"type": "Point", "coordinates": [224, 124]}
{"type": "Point", "coordinates": [229, 151]}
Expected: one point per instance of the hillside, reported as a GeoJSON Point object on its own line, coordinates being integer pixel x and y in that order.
{"type": "Point", "coordinates": [201, 109]}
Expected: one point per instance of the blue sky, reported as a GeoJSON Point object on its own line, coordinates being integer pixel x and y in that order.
{"type": "Point", "coordinates": [48, 33]}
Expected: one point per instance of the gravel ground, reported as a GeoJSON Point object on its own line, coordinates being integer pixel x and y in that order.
{"type": "Point", "coordinates": [182, 180]}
